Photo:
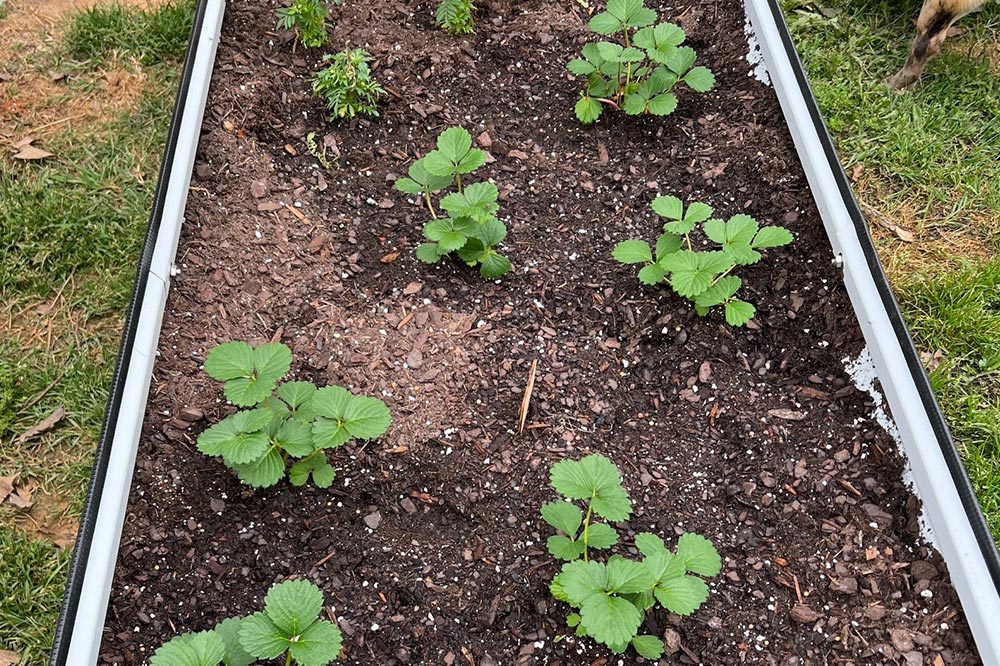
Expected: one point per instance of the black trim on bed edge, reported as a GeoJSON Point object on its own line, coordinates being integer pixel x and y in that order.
{"type": "Point", "coordinates": [954, 462]}
{"type": "Point", "coordinates": [85, 536]}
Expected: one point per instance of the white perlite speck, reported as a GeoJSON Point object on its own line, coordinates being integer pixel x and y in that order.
{"type": "Point", "coordinates": [755, 57]}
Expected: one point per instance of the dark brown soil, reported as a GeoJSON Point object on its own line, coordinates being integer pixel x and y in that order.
{"type": "Point", "coordinates": [429, 546]}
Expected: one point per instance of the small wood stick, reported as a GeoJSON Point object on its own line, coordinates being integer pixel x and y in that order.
{"type": "Point", "coordinates": [526, 400]}
{"type": "Point", "coordinates": [798, 592]}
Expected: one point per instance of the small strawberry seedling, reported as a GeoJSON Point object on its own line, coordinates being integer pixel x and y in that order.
{"type": "Point", "coordinates": [293, 421]}
{"type": "Point", "coordinates": [470, 227]}
{"type": "Point", "coordinates": [455, 16]}
{"type": "Point", "coordinates": [289, 625]}
{"type": "Point", "coordinates": [346, 85]}
{"type": "Point", "coordinates": [307, 18]}
{"type": "Point", "coordinates": [703, 277]}
{"type": "Point", "coordinates": [612, 598]}
{"type": "Point", "coordinates": [639, 76]}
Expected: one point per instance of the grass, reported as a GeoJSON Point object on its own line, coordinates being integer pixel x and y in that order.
{"type": "Point", "coordinates": [926, 160]}
{"type": "Point", "coordinates": [75, 223]}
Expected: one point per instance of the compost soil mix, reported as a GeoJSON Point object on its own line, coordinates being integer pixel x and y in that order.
{"type": "Point", "coordinates": [429, 546]}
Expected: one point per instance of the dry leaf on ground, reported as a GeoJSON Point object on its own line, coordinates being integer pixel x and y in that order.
{"type": "Point", "coordinates": [31, 153]}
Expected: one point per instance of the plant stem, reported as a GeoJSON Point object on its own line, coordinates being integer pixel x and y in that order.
{"type": "Point", "coordinates": [458, 182]}
{"type": "Point", "coordinates": [430, 206]}
{"type": "Point", "coordinates": [586, 527]}
{"type": "Point", "coordinates": [288, 659]}
{"type": "Point", "coordinates": [687, 239]}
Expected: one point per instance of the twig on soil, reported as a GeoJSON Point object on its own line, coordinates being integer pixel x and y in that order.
{"type": "Point", "coordinates": [798, 591]}
{"type": "Point", "coordinates": [302, 218]}
{"type": "Point", "coordinates": [526, 400]}
{"type": "Point", "coordinates": [41, 394]}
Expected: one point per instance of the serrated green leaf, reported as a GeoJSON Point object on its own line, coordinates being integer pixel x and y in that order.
{"type": "Point", "coordinates": [229, 631]}
{"type": "Point", "coordinates": [698, 554]}
{"type": "Point", "coordinates": [632, 252]}
{"type": "Point", "coordinates": [680, 227]}
{"type": "Point", "coordinates": [772, 237]}
{"type": "Point", "coordinates": [634, 105]}
{"type": "Point", "coordinates": [408, 186]}
{"type": "Point", "coordinates": [594, 478]}
{"type": "Point", "coordinates": [318, 645]}
{"type": "Point", "coordinates": [295, 437]}
{"type": "Point", "coordinates": [331, 401]}
{"type": "Point", "coordinates": [293, 605]}
{"type": "Point", "coordinates": [581, 580]}
{"type": "Point", "coordinates": [205, 648]}
{"type": "Point", "coordinates": [667, 243]}
{"type": "Point", "coordinates": [472, 252]}
{"type": "Point", "coordinates": [564, 548]}
{"type": "Point", "coordinates": [573, 619]}
{"type": "Point", "coordinates": [738, 312]}
{"type": "Point", "coordinates": [239, 438]}
{"type": "Point", "coordinates": [681, 59]}
{"type": "Point", "coordinates": [652, 274]}
{"type": "Point", "coordinates": [261, 638]}
{"type": "Point", "coordinates": [601, 536]}
{"type": "Point", "coordinates": [429, 253]}
{"type": "Point", "coordinates": [329, 433]}
{"type": "Point", "coordinates": [478, 201]}
{"type": "Point", "coordinates": [446, 234]}
{"type": "Point", "coordinates": [262, 473]}
{"type": "Point", "coordinates": [682, 595]}
{"type": "Point", "coordinates": [317, 465]}
{"type": "Point", "coordinates": [437, 164]}
{"type": "Point", "coordinates": [588, 110]}
{"type": "Point", "coordinates": [632, 13]}
{"type": "Point", "coordinates": [700, 79]}
{"type": "Point", "coordinates": [229, 361]}
{"type": "Point", "coordinates": [563, 516]}
{"type": "Point", "coordinates": [454, 143]}
{"type": "Point", "coordinates": [649, 647]}
{"type": "Point", "coordinates": [610, 620]}
{"type": "Point", "coordinates": [491, 232]}
{"type": "Point", "coordinates": [663, 104]}
{"type": "Point", "coordinates": [690, 282]}
{"type": "Point", "coordinates": [697, 212]}
{"type": "Point", "coordinates": [296, 394]}
{"type": "Point", "coordinates": [272, 361]}
{"type": "Point", "coordinates": [494, 265]}
{"type": "Point", "coordinates": [366, 418]}
{"type": "Point", "coordinates": [605, 24]}
{"type": "Point", "coordinates": [627, 577]}
{"type": "Point", "coordinates": [556, 589]}
{"type": "Point", "coordinates": [719, 293]}
{"type": "Point", "coordinates": [472, 161]}
{"type": "Point", "coordinates": [714, 262]}
{"type": "Point", "coordinates": [580, 67]}
{"type": "Point", "coordinates": [669, 207]}
{"type": "Point", "coordinates": [610, 51]}
{"type": "Point", "coordinates": [649, 544]}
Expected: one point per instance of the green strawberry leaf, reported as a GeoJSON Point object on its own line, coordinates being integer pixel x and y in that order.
{"type": "Point", "coordinates": [295, 437]}
{"type": "Point", "coordinates": [631, 13]}
{"type": "Point", "coordinates": [605, 24]}
{"type": "Point", "coordinates": [296, 394]}
{"type": "Point", "coordinates": [250, 378]}
{"type": "Point", "coordinates": [239, 438]}
{"type": "Point", "coordinates": [317, 465]}
{"type": "Point", "coordinates": [293, 605]}
{"type": "Point", "coordinates": [229, 631]}
{"type": "Point", "coordinates": [652, 274]}
{"type": "Point", "coordinates": [700, 79]}
{"type": "Point", "coordinates": [634, 105]}
{"type": "Point", "coordinates": [682, 595]}
{"type": "Point", "coordinates": [610, 620]}
{"type": "Point", "coordinates": [601, 536]}
{"type": "Point", "coordinates": [649, 647]}
{"type": "Point", "coordinates": [262, 473]}
{"type": "Point", "coordinates": [628, 577]}
{"type": "Point", "coordinates": [318, 645]}
{"type": "Point", "coordinates": [477, 201]}
{"type": "Point", "coordinates": [332, 402]}
{"type": "Point", "coordinates": [564, 548]}
{"type": "Point", "coordinates": [698, 212]}
{"type": "Point", "coordinates": [449, 235]}
{"type": "Point", "coordinates": [579, 581]}
{"type": "Point", "coordinates": [494, 265]}
{"type": "Point", "coordinates": [681, 59]}
{"type": "Point", "coordinates": [594, 478]}
{"type": "Point", "coordinates": [408, 186]}
{"type": "Point", "coordinates": [772, 237]}
{"type": "Point", "coordinates": [229, 361]}
{"type": "Point", "coordinates": [588, 110]}
{"type": "Point", "coordinates": [329, 433]}
{"type": "Point", "coordinates": [366, 418]}
{"type": "Point", "coordinates": [663, 104]}
{"type": "Point", "coordinates": [491, 232]}
{"type": "Point", "coordinates": [720, 292]}
{"type": "Point", "coordinates": [669, 207]}
{"type": "Point", "coordinates": [632, 252]}
{"type": "Point", "coordinates": [430, 253]}
{"type": "Point", "coordinates": [667, 243]}
{"type": "Point", "coordinates": [563, 516]}
{"type": "Point", "coordinates": [261, 638]}
{"type": "Point", "coordinates": [581, 67]}
{"type": "Point", "coordinates": [698, 555]}
{"type": "Point", "coordinates": [205, 648]}
{"type": "Point", "coordinates": [738, 312]}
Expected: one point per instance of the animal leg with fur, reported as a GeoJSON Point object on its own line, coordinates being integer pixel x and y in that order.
{"type": "Point", "coordinates": [936, 16]}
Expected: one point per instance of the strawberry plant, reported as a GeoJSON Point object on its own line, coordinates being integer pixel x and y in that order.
{"type": "Point", "coordinates": [702, 276]}
{"type": "Point", "coordinates": [294, 421]}
{"type": "Point", "coordinates": [289, 625]}
{"type": "Point", "coordinates": [307, 18]}
{"type": "Point", "coordinates": [346, 85]}
{"type": "Point", "coordinates": [611, 598]}
{"type": "Point", "coordinates": [469, 226]}
{"type": "Point", "coordinates": [455, 16]}
{"type": "Point", "coordinates": [639, 75]}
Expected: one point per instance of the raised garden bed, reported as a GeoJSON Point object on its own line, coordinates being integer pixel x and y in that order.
{"type": "Point", "coordinates": [429, 546]}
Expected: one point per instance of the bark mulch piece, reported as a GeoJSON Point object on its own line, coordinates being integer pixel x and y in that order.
{"type": "Point", "coordinates": [429, 546]}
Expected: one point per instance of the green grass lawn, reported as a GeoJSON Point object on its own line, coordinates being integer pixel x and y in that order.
{"type": "Point", "coordinates": [75, 223]}
{"type": "Point", "coordinates": [926, 160]}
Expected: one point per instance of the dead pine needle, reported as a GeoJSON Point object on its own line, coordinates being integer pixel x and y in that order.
{"type": "Point", "coordinates": [526, 400]}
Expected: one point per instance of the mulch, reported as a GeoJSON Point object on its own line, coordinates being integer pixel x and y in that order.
{"type": "Point", "coordinates": [429, 546]}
